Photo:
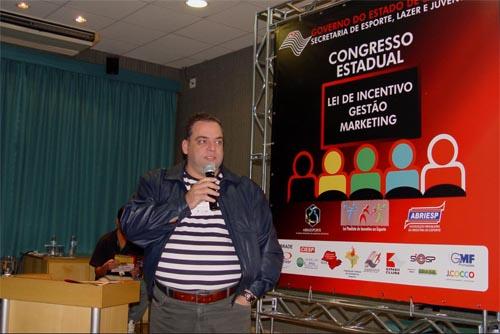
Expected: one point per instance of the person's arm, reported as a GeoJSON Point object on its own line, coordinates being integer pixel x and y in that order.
{"type": "Point", "coordinates": [101, 257]}
{"type": "Point", "coordinates": [270, 249]}
{"type": "Point", "coordinates": [101, 271]}
{"type": "Point", "coordinates": [149, 215]}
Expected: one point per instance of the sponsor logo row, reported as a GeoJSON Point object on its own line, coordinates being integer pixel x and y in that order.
{"type": "Point", "coordinates": [454, 265]}
{"type": "Point", "coordinates": [373, 216]}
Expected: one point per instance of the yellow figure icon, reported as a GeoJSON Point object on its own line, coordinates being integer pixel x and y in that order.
{"type": "Point", "coordinates": [332, 179]}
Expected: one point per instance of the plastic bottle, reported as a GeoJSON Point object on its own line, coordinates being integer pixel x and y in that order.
{"type": "Point", "coordinates": [72, 246]}
{"type": "Point", "coordinates": [51, 247]}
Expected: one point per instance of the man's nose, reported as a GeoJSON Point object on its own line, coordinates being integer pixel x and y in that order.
{"type": "Point", "coordinates": [211, 145]}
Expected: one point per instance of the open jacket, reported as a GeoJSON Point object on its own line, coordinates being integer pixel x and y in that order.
{"type": "Point", "coordinates": [149, 219]}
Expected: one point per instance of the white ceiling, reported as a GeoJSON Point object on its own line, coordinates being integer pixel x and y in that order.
{"type": "Point", "coordinates": [165, 32]}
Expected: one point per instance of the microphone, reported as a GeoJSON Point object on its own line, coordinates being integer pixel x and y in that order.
{"type": "Point", "coordinates": [209, 171]}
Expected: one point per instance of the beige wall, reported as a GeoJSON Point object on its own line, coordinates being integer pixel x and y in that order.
{"type": "Point", "coordinates": [224, 89]}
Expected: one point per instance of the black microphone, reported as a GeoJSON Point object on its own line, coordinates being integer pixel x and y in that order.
{"type": "Point", "coordinates": [209, 171]}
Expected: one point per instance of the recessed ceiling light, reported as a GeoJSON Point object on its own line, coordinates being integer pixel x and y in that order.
{"type": "Point", "coordinates": [80, 19]}
{"type": "Point", "coordinates": [196, 3]}
{"type": "Point", "coordinates": [23, 5]}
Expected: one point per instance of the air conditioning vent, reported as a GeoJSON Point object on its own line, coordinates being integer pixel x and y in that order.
{"type": "Point", "coordinates": [44, 35]}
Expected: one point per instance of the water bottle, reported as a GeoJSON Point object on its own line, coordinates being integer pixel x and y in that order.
{"type": "Point", "coordinates": [72, 246]}
{"type": "Point", "coordinates": [50, 248]}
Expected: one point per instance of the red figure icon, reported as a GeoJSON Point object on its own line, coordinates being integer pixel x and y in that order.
{"type": "Point", "coordinates": [302, 184]}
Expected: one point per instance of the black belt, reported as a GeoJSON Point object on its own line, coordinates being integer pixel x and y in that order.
{"type": "Point", "coordinates": [198, 297]}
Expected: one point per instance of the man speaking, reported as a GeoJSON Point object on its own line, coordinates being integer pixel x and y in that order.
{"type": "Point", "coordinates": [205, 264]}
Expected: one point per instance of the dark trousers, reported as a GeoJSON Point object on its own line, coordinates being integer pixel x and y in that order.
{"type": "Point", "coordinates": [170, 315]}
{"type": "Point", "coordinates": [136, 310]}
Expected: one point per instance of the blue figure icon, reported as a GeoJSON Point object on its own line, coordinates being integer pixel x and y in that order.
{"type": "Point", "coordinates": [402, 180]}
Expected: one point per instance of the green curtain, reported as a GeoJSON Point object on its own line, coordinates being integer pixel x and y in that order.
{"type": "Point", "coordinates": [73, 146]}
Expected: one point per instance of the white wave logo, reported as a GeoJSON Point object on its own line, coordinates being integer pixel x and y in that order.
{"type": "Point", "coordinates": [295, 42]}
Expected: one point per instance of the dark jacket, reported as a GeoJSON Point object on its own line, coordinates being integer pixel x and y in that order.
{"type": "Point", "coordinates": [149, 220]}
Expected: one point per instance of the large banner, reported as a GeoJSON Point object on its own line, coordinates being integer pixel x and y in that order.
{"type": "Point", "coordinates": [385, 157]}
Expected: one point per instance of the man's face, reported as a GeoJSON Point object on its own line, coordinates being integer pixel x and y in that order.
{"type": "Point", "coordinates": [204, 147]}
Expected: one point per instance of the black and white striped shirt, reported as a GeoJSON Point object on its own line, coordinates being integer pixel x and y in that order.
{"type": "Point", "coordinates": [200, 254]}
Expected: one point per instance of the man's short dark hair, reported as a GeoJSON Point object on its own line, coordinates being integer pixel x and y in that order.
{"type": "Point", "coordinates": [202, 116]}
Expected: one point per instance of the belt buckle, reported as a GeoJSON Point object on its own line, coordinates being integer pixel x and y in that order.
{"type": "Point", "coordinates": [208, 298]}
{"type": "Point", "coordinates": [203, 298]}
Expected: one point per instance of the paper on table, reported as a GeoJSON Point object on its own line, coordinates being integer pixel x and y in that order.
{"type": "Point", "coordinates": [98, 283]}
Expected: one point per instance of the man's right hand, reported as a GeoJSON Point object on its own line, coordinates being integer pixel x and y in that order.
{"type": "Point", "coordinates": [201, 191]}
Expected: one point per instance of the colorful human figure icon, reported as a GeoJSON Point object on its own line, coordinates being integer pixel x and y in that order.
{"type": "Point", "coordinates": [443, 175]}
{"type": "Point", "coordinates": [332, 183]}
{"type": "Point", "coordinates": [402, 179]}
{"type": "Point", "coordinates": [302, 184]}
{"type": "Point", "coordinates": [365, 179]}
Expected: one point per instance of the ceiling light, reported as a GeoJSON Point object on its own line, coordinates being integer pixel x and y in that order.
{"type": "Point", "coordinates": [196, 3]}
{"type": "Point", "coordinates": [23, 5]}
{"type": "Point", "coordinates": [80, 19]}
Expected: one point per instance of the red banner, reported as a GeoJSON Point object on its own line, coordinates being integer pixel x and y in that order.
{"type": "Point", "coordinates": [385, 163]}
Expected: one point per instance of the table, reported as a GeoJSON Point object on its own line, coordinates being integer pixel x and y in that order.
{"type": "Point", "coordinates": [59, 267]}
{"type": "Point", "coordinates": [37, 303]}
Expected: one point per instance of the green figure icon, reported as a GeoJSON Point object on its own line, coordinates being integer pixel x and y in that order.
{"type": "Point", "coordinates": [365, 179]}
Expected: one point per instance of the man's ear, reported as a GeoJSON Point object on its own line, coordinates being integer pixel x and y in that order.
{"type": "Point", "coordinates": [184, 146]}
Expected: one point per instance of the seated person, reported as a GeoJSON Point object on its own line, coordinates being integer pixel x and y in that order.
{"type": "Point", "coordinates": [103, 260]}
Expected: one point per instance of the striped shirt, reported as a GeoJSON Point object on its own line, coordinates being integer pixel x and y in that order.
{"type": "Point", "coordinates": [200, 254]}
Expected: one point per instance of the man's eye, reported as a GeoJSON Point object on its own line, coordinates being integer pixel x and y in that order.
{"type": "Point", "coordinates": [219, 142]}
{"type": "Point", "coordinates": [202, 141]}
